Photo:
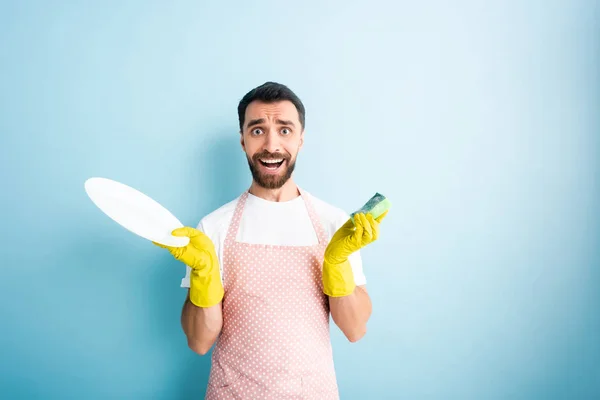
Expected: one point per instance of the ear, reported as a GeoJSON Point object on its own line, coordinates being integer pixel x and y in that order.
{"type": "Point", "coordinates": [242, 141]}
{"type": "Point", "coordinates": [301, 139]}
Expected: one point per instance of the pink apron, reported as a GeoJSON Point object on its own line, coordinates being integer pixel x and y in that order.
{"type": "Point", "coordinates": [274, 343]}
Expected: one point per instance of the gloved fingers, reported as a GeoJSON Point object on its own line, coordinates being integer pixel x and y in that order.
{"type": "Point", "coordinates": [374, 227]}
{"type": "Point", "coordinates": [172, 250]}
{"type": "Point", "coordinates": [160, 245]}
{"type": "Point", "coordinates": [186, 231]}
{"type": "Point", "coordinates": [367, 229]}
{"type": "Point", "coordinates": [197, 238]}
{"type": "Point", "coordinates": [381, 217]}
{"type": "Point", "coordinates": [348, 225]}
{"type": "Point", "coordinates": [176, 252]}
{"type": "Point", "coordinates": [356, 238]}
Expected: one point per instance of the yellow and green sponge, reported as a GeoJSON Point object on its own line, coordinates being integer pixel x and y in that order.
{"type": "Point", "coordinates": [377, 205]}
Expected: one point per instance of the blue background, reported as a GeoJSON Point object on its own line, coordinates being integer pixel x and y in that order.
{"type": "Point", "coordinates": [479, 120]}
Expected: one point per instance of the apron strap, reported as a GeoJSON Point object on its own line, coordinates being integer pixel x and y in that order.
{"type": "Point", "coordinates": [314, 218]}
{"type": "Point", "coordinates": [235, 221]}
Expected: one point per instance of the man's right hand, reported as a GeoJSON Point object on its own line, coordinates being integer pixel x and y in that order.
{"type": "Point", "coordinates": [199, 254]}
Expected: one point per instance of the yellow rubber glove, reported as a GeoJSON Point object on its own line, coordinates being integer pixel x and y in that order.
{"type": "Point", "coordinates": [338, 278]}
{"type": "Point", "coordinates": [199, 254]}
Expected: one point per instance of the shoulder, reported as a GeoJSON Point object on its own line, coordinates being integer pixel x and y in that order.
{"type": "Point", "coordinates": [326, 209]}
{"type": "Point", "coordinates": [332, 217]}
{"type": "Point", "coordinates": [219, 219]}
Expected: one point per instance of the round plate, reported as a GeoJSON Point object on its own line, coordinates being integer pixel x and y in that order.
{"type": "Point", "coordinates": [135, 211]}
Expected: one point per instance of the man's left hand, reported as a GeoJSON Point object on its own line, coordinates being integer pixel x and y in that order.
{"type": "Point", "coordinates": [338, 279]}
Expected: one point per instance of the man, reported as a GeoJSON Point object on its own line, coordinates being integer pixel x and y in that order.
{"type": "Point", "coordinates": [266, 270]}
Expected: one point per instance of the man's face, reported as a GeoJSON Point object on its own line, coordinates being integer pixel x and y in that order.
{"type": "Point", "coordinates": [271, 137]}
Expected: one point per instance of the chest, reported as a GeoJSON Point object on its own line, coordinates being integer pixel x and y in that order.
{"type": "Point", "coordinates": [277, 229]}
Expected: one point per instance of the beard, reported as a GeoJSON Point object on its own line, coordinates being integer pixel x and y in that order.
{"type": "Point", "coordinates": [271, 181]}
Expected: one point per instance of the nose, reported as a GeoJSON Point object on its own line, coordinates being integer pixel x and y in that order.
{"type": "Point", "coordinates": [272, 144]}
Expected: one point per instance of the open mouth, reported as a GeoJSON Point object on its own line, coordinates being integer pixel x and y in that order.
{"type": "Point", "coordinates": [271, 164]}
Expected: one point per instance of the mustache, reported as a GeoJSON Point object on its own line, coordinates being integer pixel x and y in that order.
{"type": "Point", "coordinates": [266, 155]}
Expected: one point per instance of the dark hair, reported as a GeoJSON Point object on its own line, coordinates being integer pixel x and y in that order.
{"type": "Point", "coordinates": [270, 92]}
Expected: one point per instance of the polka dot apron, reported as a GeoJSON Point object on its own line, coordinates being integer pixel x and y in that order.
{"type": "Point", "coordinates": [275, 342]}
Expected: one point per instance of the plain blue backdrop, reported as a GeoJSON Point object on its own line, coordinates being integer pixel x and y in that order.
{"type": "Point", "coordinates": [479, 120]}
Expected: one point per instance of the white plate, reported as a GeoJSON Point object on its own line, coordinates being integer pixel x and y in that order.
{"type": "Point", "coordinates": [135, 211]}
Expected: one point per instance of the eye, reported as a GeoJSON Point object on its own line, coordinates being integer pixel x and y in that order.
{"type": "Point", "coordinates": [256, 131]}
{"type": "Point", "coordinates": [286, 131]}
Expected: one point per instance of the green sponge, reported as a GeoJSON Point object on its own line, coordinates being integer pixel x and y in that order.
{"type": "Point", "coordinates": [377, 205]}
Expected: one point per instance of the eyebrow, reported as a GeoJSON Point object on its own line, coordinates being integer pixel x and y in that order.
{"type": "Point", "coordinates": [253, 122]}
{"type": "Point", "coordinates": [259, 121]}
{"type": "Point", "coordinates": [284, 122]}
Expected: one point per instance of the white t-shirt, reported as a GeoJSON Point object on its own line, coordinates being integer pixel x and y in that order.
{"type": "Point", "coordinates": [275, 223]}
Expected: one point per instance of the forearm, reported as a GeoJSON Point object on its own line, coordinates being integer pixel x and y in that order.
{"type": "Point", "coordinates": [201, 325]}
{"type": "Point", "coordinates": [351, 313]}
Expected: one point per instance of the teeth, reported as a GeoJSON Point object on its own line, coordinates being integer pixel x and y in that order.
{"type": "Point", "coordinates": [272, 161]}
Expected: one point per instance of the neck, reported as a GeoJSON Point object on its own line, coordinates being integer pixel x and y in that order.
{"type": "Point", "coordinates": [287, 192]}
